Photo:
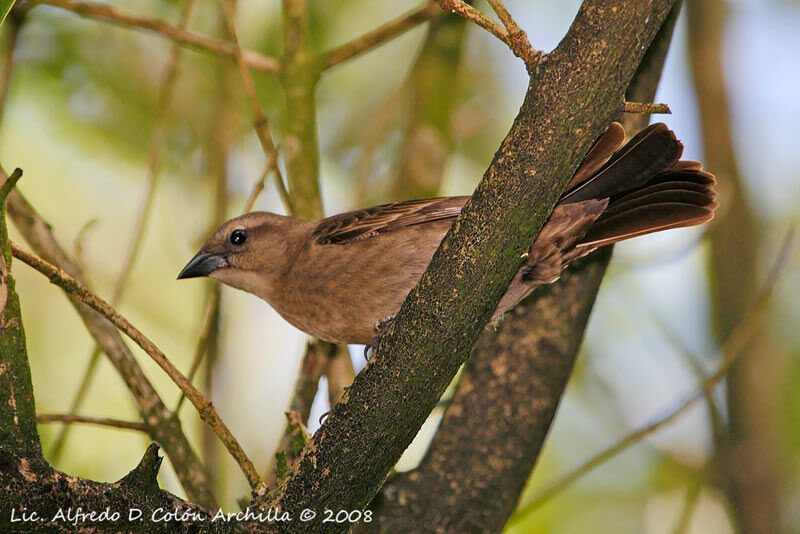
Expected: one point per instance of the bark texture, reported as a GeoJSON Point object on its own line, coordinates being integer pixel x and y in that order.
{"type": "Point", "coordinates": [574, 94]}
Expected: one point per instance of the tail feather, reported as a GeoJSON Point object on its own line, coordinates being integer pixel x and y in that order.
{"type": "Point", "coordinates": [647, 186]}
{"type": "Point", "coordinates": [652, 151]}
{"type": "Point", "coordinates": [644, 220]}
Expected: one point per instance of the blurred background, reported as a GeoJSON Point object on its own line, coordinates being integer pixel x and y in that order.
{"type": "Point", "coordinates": [421, 116]}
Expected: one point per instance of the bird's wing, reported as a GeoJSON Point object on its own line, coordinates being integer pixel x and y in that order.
{"type": "Point", "coordinates": [372, 222]}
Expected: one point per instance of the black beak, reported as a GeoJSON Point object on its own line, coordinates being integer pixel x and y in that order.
{"type": "Point", "coordinates": [203, 264]}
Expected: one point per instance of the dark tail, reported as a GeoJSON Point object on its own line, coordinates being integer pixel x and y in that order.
{"type": "Point", "coordinates": [647, 186]}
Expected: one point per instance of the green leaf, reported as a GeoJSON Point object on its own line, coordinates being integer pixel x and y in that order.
{"type": "Point", "coordinates": [5, 7]}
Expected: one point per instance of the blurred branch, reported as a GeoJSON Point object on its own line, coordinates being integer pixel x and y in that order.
{"type": "Point", "coordinates": [646, 108]}
{"type": "Point", "coordinates": [301, 72]}
{"type": "Point", "coordinates": [12, 25]}
{"type": "Point", "coordinates": [380, 35]}
{"type": "Point", "coordinates": [512, 35]}
{"type": "Point", "coordinates": [740, 337]}
{"type": "Point", "coordinates": [102, 421]}
{"type": "Point", "coordinates": [157, 139]}
{"type": "Point", "coordinates": [432, 88]}
{"type": "Point", "coordinates": [207, 412]}
{"type": "Point", "coordinates": [340, 374]}
{"type": "Point", "coordinates": [140, 224]}
{"type": "Point", "coordinates": [747, 461]}
{"type": "Point", "coordinates": [259, 122]}
{"type": "Point", "coordinates": [689, 506]}
{"type": "Point", "coordinates": [103, 12]}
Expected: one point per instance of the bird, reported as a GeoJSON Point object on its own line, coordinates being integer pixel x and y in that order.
{"type": "Point", "coordinates": [343, 278]}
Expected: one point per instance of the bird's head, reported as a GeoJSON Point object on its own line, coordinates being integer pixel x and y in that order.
{"type": "Point", "coordinates": [246, 252]}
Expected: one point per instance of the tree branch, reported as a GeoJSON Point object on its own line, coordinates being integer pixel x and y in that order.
{"type": "Point", "coordinates": [301, 71]}
{"type": "Point", "coordinates": [102, 421]}
{"type": "Point", "coordinates": [646, 108]}
{"type": "Point", "coordinates": [98, 11]}
{"type": "Point", "coordinates": [342, 53]}
{"type": "Point", "coordinates": [512, 35]}
{"type": "Point", "coordinates": [571, 99]}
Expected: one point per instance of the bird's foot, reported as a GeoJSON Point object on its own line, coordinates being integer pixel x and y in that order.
{"type": "Point", "coordinates": [381, 327]}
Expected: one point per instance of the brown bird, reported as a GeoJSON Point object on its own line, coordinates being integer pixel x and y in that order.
{"type": "Point", "coordinates": [337, 278]}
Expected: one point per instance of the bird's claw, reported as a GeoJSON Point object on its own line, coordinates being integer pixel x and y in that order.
{"type": "Point", "coordinates": [381, 327]}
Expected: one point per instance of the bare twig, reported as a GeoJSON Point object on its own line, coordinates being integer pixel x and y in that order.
{"type": "Point", "coordinates": [259, 121]}
{"type": "Point", "coordinates": [646, 108]}
{"type": "Point", "coordinates": [207, 412]}
{"type": "Point", "coordinates": [730, 350]}
{"type": "Point", "coordinates": [461, 8]}
{"type": "Point", "coordinates": [210, 316]}
{"type": "Point", "coordinates": [96, 10]}
{"type": "Point", "coordinates": [517, 38]}
{"type": "Point", "coordinates": [103, 421]}
{"type": "Point", "coordinates": [258, 187]}
{"type": "Point", "coordinates": [689, 506]}
{"type": "Point", "coordinates": [512, 35]}
{"type": "Point", "coordinates": [380, 35]}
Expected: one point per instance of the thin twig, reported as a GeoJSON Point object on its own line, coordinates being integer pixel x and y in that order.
{"type": "Point", "coordinates": [461, 8]}
{"type": "Point", "coordinates": [512, 35]}
{"type": "Point", "coordinates": [730, 350]}
{"type": "Point", "coordinates": [259, 121]}
{"type": "Point", "coordinates": [103, 421]}
{"type": "Point", "coordinates": [646, 108]}
{"type": "Point", "coordinates": [517, 38]}
{"type": "Point", "coordinates": [257, 188]}
{"type": "Point", "coordinates": [210, 316]}
{"type": "Point", "coordinates": [207, 412]}
{"type": "Point", "coordinates": [380, 35]}
{"type": "Point", "coordinates": [195, 40]}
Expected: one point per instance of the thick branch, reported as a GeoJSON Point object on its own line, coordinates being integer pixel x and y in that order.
{"type": "Point", "coordinates": [572, 97]}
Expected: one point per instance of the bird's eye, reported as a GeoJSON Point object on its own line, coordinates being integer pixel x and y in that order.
{"type": "Point", "coordinates": [238, 237]}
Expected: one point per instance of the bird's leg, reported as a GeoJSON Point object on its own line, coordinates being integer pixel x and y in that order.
{"type": "Point", "coordinates": [381, 327]}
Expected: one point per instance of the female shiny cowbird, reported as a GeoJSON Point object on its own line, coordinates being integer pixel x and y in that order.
{"type": "Point", "coordinates": [338, 277]}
